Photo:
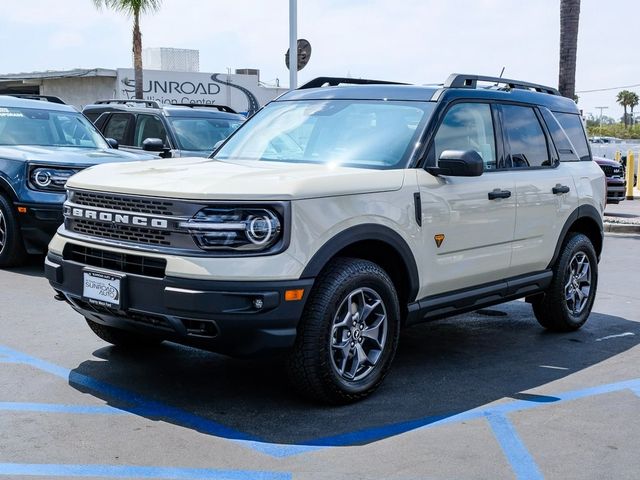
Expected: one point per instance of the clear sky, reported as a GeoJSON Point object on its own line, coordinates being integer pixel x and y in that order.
{"type": "Point", "coordinates": [417, 41]}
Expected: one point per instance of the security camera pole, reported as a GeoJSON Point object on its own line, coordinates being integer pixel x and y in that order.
{"type": "Point", "coordinates": [293, 44]}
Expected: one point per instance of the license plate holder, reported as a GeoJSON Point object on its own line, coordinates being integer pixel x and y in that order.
{"type": "Point", "coordinates": [103, 288]}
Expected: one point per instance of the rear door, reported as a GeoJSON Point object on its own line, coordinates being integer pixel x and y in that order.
{"type": "Point", "coordinates": [545, 191]}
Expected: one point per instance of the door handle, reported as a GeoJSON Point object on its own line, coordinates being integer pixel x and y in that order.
{"type": "Point", "coordinates": [497, 193]}
{"type": "Point", "coordinates": [558, 189]}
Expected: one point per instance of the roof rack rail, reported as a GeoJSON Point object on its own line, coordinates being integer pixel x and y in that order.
{"type": "Point", "coordinates": [334, 81]}
{"type": "Point", "coordinates": [222, 108]}
{"type": "Point", "coordinates": [461, 80]}
{"type": "Point", "coordinates": [124, 101]}
{"type": "Point", "coordinates": [33, 96]}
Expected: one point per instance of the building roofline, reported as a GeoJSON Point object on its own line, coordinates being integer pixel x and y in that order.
{"type": "Point", "coordinates": [51, 74]}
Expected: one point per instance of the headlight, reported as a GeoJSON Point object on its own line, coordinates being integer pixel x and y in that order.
{"type": "Point", "coordinates": [237, 229]}
{"type": "Point", "coordinates": [49, 179]}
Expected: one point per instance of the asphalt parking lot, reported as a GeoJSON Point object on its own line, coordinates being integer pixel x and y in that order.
{"type": "Point", "coordinates": [488, 395]}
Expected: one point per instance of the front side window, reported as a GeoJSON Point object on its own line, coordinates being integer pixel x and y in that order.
{"type": "Point", "coordinates": [468, 126]}
{"type": "Point", "coordinates": [117, 127]}
{"type": "Point", "coordinates": [148, 126]}
{"type": "Point", "coordinates": [526, 141]}
{"type": "Point", "coordinates": [354, 133]}
{"type": "Point", "coordinates": [202, 134]}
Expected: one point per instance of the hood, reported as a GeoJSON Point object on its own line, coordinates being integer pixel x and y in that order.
{"type": "Point", "coordinates": [209, 179]}
{"type": "Point", "coordinates": [606, 161]}
{"type": "Point", "coordinates": [82, 157]}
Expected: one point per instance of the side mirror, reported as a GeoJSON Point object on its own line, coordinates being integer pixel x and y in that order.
{"type": "Point", "coordinates": [153, 145]}
{"type": "Point", "coordinates": [457, 163]}
{"type": "Point", "coordinates": [113, 143]}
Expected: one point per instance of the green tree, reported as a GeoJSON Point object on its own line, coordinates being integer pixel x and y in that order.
{"type": "Point", "coordinates": [633, 102]}
{"type": "Point", "coordinates": [133, 8]}
{"type": "Point", "coordinates": [625, 98]}
{"type": "Point", "coordinates": [569, 20]}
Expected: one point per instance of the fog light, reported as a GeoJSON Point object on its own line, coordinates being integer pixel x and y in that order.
{"type": "Point", "coordinates": [258, 303]}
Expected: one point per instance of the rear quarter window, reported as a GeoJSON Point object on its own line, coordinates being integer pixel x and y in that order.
{"type": "Point", "coordinates": [574, 129]}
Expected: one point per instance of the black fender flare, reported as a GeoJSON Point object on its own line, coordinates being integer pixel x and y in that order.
{"type": "Point", "coordinates": [361, 233]}
{"type": "Point", "coordinates": [583, 211]}
{"type": "Point", "coordinates": [5, 186]}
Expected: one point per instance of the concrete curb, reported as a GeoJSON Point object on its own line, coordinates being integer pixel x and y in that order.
{"type": "Point", "coordinates": [621, 227]}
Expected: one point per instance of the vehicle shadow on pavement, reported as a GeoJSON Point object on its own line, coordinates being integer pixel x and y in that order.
{"type": "Point", "coordinates": [32, 267]}
{"type": "Point", "coordinates": [441, 369]}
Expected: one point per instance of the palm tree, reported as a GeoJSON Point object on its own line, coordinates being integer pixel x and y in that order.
{"type": "Point", "coordinates": [569, 19]}
{"type": "Point", "coordinates": [133, 8]}
{"type": "Point", "coordinates": [633, 102]}
{"type": "Point", "coordinates": [625, 98]}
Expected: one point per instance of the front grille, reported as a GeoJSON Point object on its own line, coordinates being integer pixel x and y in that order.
{"type": "Point", "coordinates": [610, 171]}
{"type": "Point", "coordinates": [121, 232]}
{"type": "Point", "coordinates": [120, 262]}
{"type": "Point", "coordinates": [127, 204]}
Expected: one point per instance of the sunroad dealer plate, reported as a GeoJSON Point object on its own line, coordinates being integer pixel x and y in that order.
{"type": "Point", "coordinates": [102, 288]}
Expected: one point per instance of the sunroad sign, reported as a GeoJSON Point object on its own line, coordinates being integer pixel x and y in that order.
{"type": "Point", "coordinates": [115, 218]}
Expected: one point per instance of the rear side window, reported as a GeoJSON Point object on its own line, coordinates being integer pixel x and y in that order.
{"type": "Point", "coordinates": [566, 149]}
{"type": "Point", "coordinates": [117, 127]}
{"type": "Point", "coordinates": [149, 126]}
{"type": "Point", "coordinates": [573, 127]}
{"type": "Point", "coordinates": [526, 141]}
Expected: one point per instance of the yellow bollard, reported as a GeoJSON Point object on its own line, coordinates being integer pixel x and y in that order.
{"type": "Point", "coordinates": [631, 170]}
{"type": "Point", "coordinates": [617, 156]}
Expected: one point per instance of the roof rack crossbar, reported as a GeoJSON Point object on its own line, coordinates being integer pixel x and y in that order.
{"type": "Point", "coordinates": [124, 101]}
{"type": "Point", "coordinates": [334, 81]}
{"type": "Point", "coordinates": [460, 80]}
{"type": "Point", "coordinates": [222, 108]}
{"type": "Point", "coordinates": [34, 96]}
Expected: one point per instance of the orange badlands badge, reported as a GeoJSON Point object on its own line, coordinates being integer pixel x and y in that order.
{"type": "Point", "coordinates": [439, 238]}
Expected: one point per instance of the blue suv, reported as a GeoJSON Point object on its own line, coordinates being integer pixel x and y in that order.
{"type": "Point", "coordinates": [42, 144]}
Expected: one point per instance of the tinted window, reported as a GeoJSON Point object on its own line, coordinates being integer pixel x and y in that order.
{"type": "Point", "coordinates": [563, 145]}
{"type": "Point", "coordinates": [202, 134]}
{"type": "Point", "coordinates": [117, 127]}
{"type": "Point", "coordinates": [572, 125]}
{"type": "Point", "coordinates": [148, 126]}
{"type": "Point", "coordinates": [468, 126]}
{"type": "Point", "coordinates": [525, 138]}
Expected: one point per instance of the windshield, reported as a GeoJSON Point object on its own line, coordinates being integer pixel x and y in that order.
{"type": "Point", "coordinates": [202, 133]}
{"type": "Point", "coordinates": [356, 133]}
{"type": "Point", "coordinates": [29, 126]}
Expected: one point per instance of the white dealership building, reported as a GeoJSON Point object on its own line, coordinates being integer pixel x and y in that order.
{"type": "Point", "coordinates": [241, 90]}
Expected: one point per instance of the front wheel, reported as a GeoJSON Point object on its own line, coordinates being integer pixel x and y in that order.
{"type": "Point", "coordinates": [566, 305]}
{"type": "Point", "coordinates": [348, 334]}
{"type": "Point", "coordinates": [12, 252]}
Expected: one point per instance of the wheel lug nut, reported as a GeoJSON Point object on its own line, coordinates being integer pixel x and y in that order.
{"type": "Point", "coordinates": [360, 339]}
{"type": "Point", "coordinates": [353, 344]}
{"type": "Point", "coordinates": [361, 326]}
{"type": "Point", "coordinates": [348, 333]}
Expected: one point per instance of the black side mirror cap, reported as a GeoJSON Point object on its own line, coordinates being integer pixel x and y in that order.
{"type": "Point", "coordinates": [458, 163]}
{"type": "Point", "coordinates": [113, 143]}
{"type": "Point", "coordinates": [153, 145]}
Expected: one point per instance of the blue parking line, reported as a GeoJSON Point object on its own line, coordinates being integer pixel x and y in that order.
{"type": "Point", "coordinates": [517, 454]}
{"type": "Point", "coordinates": [58, 408]}
{"type": "Point", "coordinates": [118, 471]}
{"type": "Point", "coordinates": [139, 405]}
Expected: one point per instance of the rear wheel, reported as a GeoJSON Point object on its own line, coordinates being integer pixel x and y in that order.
{"type": "Point", "coordinates": [348, 334]}
{"type": "Point", "coordinates": [122, 338]}
{"type": "Point", "coordinates": [567, 303]}
{"type": "Point", "coordinates": [12, 252]}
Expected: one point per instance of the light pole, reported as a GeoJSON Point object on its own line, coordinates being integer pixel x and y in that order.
{"type": "Point", "coordinates": [601, 109]}
{"type": "Point", "coordinates": [293, 44]}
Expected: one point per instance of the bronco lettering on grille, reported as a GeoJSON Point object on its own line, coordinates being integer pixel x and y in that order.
{"type": "Point", "coordinates": [116, 218]}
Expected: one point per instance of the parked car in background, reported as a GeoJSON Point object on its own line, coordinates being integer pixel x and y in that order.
{"type": "Point", "coordinates": [42, 144]}
{"type": "Point", "coordinates": [175, 130]}
{"type": "Point", "coordinates": [616, 184]}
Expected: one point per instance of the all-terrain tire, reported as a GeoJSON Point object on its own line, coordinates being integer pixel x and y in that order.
{"type": "Point", "coordinates": [12, 252]}
{"type": "Point", "coordinates": [353, 303]}
{"type": "Point", "coordinates": [561, 308]}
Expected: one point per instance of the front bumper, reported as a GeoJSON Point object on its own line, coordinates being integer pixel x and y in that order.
{"type": "Point", "coordinates": [214, 315]}
{"type": "Point", "coordinates": [616, 190]}
{"type": "Point", "coordinates": [38, 225]}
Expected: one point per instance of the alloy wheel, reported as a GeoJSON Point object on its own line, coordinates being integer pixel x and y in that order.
{"type": "Point", "coordinates": [578, 285]}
